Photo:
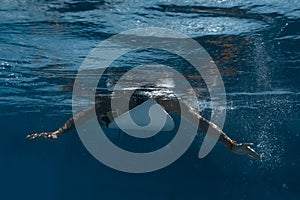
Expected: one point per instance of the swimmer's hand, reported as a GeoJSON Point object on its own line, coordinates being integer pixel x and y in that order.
{"type": "Point", "coordinates": [47, 135]}
{"type": "Point", "coordinates": [245, 149]}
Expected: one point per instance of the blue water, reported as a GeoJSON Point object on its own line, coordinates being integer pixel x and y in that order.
{"type": "Point", "coordinates": [256, 46]}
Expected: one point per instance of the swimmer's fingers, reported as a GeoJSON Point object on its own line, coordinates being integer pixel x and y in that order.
{"type": "Point", "coordinates": [246, 149]}
{"type": "Point", "coordinates": [247, 144]}
{"type": "Point", "coordinates": [47, 135]}
{"type": "Point", "coordinates": [253, 154]}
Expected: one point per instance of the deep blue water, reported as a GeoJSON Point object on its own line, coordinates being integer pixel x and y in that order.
{"type": "Point", "coordinates": [255, 44]}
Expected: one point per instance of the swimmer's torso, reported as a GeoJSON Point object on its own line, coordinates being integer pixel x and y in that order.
{"type": "Point", "coordinates": [127, 100]}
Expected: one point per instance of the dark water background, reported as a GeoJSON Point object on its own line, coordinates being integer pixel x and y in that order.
{"type": "Point", "coordinates": [255, 44]}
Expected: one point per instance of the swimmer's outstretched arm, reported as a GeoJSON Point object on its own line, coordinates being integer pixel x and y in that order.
{"type": "Point", "coordinates": [80, 118]}
{"type": "Point", "coordinates": [170, 106]}
{"type": "Point", "coordinates": [203, 124]}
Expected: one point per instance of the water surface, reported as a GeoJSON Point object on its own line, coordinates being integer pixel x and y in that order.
{"type": "Point", "coordinates": [255, 45]}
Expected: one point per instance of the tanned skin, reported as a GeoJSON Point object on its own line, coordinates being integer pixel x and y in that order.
{"type": "Point", "coordinates": [171, 105]}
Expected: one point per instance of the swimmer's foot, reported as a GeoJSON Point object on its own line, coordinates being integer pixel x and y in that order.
{"type": "Point", "coordinates": [245, 149]}
{"type": "Point", "coordinates": [51, 135]}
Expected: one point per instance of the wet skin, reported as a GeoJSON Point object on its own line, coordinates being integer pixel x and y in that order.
{"type": "Point", "coordinates": [171, 105]}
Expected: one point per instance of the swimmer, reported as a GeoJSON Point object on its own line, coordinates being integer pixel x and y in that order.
{"type": "Point", "coordinates": [170, 105]}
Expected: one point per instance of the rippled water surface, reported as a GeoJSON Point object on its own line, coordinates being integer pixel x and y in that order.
{"type": "Point", "coordinates": [255, 44]}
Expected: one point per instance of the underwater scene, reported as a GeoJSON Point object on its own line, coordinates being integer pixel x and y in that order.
{"type": "Point", "coordinates": [254, 45]}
